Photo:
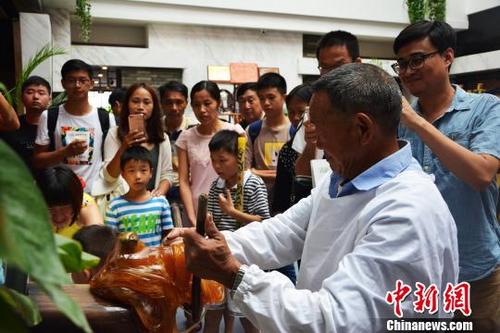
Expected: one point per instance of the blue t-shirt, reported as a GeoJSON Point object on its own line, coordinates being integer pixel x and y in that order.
{"type": "Point", "coordinates": [147, 219]}
{"type": "Point", "coordinates": [473, 121]}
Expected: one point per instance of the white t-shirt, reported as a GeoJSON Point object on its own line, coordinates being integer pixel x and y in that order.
{"type": "Point", "coordinates": [70, 127]}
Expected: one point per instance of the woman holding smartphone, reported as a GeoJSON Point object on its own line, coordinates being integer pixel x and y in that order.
{"type": "Point", "coordinates": [140, 124]}
{"type": "Point", "coordinates": [196, 173]}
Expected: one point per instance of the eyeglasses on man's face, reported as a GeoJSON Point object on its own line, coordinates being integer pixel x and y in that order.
{"type": "Point", "coordinates": [415, 62]}
{"type": "Point", "coordinates": [74, 81]}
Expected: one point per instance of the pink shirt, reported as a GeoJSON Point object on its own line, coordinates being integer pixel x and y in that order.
{"type": "Point", "coordinates": [202, 174]}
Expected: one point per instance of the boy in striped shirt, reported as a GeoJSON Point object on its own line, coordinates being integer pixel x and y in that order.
{"type": "Point", "coordinates": [138, 210]}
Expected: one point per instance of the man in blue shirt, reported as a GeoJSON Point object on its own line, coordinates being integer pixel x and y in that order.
{"type": "Point", "coordinates": [455, 136]}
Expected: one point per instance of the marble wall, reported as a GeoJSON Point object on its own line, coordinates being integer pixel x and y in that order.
{"type": "Point", "coordinates": [190, 48]}
{"type": "Point", "coordinates": [35, 33]}
{"type": "Point", "coordinates": [61, 37]}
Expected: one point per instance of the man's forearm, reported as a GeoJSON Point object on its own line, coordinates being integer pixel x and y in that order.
{"type": "Point", "coordinates": [9, 120]}
{"type": "Point", "coordinates": [265, 174]}
{"type": "Point", "coordinates": [474, 169]}
{"type": "Point", "coordinates": [46, 159]}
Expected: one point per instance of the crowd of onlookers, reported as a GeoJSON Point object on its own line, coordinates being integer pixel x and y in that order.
{"type": "Point", "coordinates": [142, 167]}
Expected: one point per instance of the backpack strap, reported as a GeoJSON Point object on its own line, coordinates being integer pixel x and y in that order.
{"type": "Point", "coordinates": [292, 130]}
{"type": "Point", "coordinates": [253, 131]}
{"type": "Point", "coordinates": [52, 115]}
{"type": "Point", "coordinates": [104, 121]}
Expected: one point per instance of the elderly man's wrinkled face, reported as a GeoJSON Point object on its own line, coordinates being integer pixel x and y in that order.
{"type": "Point", "coordinates": [336, 133]}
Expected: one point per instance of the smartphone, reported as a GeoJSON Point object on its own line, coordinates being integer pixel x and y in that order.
{"type": "Point", "coordinates": [136, 122]}
{"type": "Point", "coordinates": [305, 116]}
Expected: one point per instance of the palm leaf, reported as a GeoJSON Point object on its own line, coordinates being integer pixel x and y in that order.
{"type": "Point", "coordinates": [6, 93]}
{"type": "Point", "coordinates": [59, 99]}
{"type": "Point", "coordinates": [43, 54]}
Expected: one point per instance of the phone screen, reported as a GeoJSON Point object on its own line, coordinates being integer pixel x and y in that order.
{"type": "Point", "coordinates": [136, 122]}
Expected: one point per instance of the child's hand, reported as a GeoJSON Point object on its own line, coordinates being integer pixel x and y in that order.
{"type": "Point", "coordinates": [226, 203]}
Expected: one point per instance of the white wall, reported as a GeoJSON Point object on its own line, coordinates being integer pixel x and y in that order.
{"type": "Point", "coordinates": [35, 33]}
{"type": "Point", "coordinates": [371, 19]}
{"type": "Point", "coordinates": [473, 6]}
{"type": "Point", "coordinates": [190, 48]}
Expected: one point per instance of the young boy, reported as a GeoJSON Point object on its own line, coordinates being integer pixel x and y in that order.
{"type": "Point", "coordinates": [138, 211]}
{"type": "Point", "coordinates": [36, 98]}
{"type": "Point", "coordinates": [74, 132]}
{"type": "Point", "coordinates": [267, 136]}
{"type": "Point", "coordinates": [98, 240]}
{"type": "Point", "coordinates": [221, 203]}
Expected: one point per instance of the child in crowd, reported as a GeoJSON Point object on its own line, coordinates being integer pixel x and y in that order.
{"type": "Point", "coordinates": [222, 199]}
{"type": "Point", "coordinates": [69, 207]}
{"type": "Point", "coordinates": [138, 210]}
{"type": "Point", "coordinates": [267, 136]}
{"type": "Point", "coordinates": [98, 240]}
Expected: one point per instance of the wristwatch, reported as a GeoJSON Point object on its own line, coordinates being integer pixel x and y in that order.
{"type": "Point", "coordinates": [238, 278]}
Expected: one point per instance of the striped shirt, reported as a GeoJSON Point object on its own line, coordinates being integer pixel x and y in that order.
{"type": "Point", "coordinates": [147, 219]}
{"type": "Point", "coordinates": [254, 201]}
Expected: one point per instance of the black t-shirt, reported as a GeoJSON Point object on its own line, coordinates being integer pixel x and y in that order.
{"type": "Point", "coordinates": [22, 140]}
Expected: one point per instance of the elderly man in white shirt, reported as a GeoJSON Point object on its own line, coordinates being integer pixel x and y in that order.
{"type": "Point", "coordinates": [376, 220]}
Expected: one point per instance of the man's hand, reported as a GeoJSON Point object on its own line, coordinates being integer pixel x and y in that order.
{"type": "Point", "coordinates": [226, 203]}
{"type": "Point", "coordinates": [76, 147]}
{"type": "Point", "coordinates": [208, 257]}
{"type": "Point", "coordinates": [409, 117]}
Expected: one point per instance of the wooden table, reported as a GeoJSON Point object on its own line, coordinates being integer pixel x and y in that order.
{"type": "Point", "coordinates": [101, 315]}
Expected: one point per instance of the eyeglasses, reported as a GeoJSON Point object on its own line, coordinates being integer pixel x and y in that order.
{"type": "Point", "coordinates": [415, 62]}
{"type": "Point", "coordinates": [326, 69]}
{"type": "Point", "coordinates": [82, 81]}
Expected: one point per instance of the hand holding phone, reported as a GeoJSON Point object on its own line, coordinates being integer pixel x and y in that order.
{"type": "Point", "coordinates": [305, 116]}
{"type": "Point", "coordinates": [136, 122]}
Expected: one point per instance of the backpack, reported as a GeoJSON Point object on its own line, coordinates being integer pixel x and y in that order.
{"type": "Point", "coordinates": [53, 114]}
{"type": "Point", "coordinates": [254, 130]}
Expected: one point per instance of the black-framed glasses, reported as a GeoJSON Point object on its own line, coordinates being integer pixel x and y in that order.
{"type": "Point", "coordinates": [415, 62]}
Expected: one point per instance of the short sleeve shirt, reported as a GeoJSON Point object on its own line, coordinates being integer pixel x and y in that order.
{"type": "Point", "coordinates": [202, 174]}
{"type": "Point", "coordinates": [472, 121]}
{"type": "Point", "coordinates": [70, 127]}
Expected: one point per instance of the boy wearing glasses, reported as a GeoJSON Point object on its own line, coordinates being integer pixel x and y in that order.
{"type": "Point", "coordinates": [455, 135]}
{"type": "Point", "coordinates": [74, 132]}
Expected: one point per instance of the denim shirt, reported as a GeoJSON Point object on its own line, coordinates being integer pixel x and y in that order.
{"type": "Point", "coordinates": [472, 121]}
{"type": "Point", "coordinates": [377, 174]}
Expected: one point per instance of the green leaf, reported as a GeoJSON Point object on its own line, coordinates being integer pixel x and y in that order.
{"type": "Point", "coordinates": [42, 55]}
{"type": "Point", "coordinates": [59, 99]}
{"type": "Point", "coordinates": [73, 258]}
{"type": "Point", "coordinates": [10, 321]}
{"type": "Point", "coordinates": [6, 93]}
{"type": "Point", "coordinates": [26, 238]}
{"type": "Point", "coordinates": [22, 305]}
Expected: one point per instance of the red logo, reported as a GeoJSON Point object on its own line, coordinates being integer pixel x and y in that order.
{"type": "Point", "coordinates": [426, 298]}
{"type": "Point", "coordinates": [457, 298]}
{"type": "Point", "coordinates": [397, 296]}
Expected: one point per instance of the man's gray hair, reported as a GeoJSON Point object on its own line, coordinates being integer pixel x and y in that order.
{"type": "Point", "coordinates": [366, 88]}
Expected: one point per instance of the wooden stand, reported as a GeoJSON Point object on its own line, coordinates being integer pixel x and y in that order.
{"type": "Point", "coordinates": [101, 315]}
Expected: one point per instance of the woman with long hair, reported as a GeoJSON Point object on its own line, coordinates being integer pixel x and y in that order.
{"type": "Point", "coordinates": [140, 100]}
